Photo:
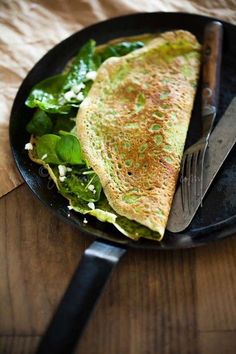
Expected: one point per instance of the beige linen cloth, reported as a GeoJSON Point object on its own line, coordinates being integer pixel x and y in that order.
{"type": "Point", "coordinates": [28, 29]}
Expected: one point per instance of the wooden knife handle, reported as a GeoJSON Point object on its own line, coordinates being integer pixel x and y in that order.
{"type": "Point", "coordinates": [212, 48]}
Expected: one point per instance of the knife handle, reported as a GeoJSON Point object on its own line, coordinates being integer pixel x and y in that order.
{"type": "Point", "coordinates": [212, 49]}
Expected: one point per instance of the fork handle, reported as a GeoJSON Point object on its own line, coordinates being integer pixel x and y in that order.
{"type": "Point", "coordinates": [212, 48]}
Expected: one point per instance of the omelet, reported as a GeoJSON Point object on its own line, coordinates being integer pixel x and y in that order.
{"type": "Point", "coordinates": [132, 126]}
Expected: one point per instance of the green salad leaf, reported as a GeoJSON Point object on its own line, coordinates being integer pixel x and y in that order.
{"type": "Point", "coordinates": [84, 187]}
{"type": "Point", "coordinates": [85, 61]}
{"type": "Point", "coordinates": [120, 49]}
{"type": "Point", "coordinates": [55, 149]}
{"type": "Point", "coordinates": [46, 148]}
{"type": "Point", "coordinates": [40, 124]}
{"type": "Point", "coordinates": [63, 122]}
{"type": "Point", "coordinates": [48, 95]}
{"type": "Point", "coordinates": [68, 149]}
{"type": "Point", "coordinates": [45, 123]}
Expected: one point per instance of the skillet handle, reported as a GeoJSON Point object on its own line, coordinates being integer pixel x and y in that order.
{"type": "Point", "coordinates": [80, 298]}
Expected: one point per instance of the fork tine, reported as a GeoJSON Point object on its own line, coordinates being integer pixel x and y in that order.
{"type": "Point", "coordinates": [200, 172]}
{"type": "Point", "coordinates": [183, 182]}
{"type": "Point", "coordinates": [189, 182]}
{"type": "Point", "coordinates": [199, 175]}
{"type": "Point", "coordinates": [194, 177]}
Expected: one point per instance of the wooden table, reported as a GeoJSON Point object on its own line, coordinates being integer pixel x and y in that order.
{"type": "Point", "coordinates": [181, 302]}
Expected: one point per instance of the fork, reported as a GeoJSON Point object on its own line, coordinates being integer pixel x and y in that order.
{"type": "Point", "coordinates": [192, 167]}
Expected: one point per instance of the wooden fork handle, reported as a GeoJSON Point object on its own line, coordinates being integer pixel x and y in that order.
{"type": "Point", "coordinates": [212, 48]}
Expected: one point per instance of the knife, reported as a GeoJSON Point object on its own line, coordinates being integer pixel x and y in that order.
{"type": "Point", "coordinates": [221, 142]}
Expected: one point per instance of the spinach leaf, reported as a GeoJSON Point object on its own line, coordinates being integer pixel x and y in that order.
{"type": "Point", "coordinates": [55, 149]}
{"type": "Point", "coordinates": [84, 187]}
{"type": "Point", "coordinates": [68, 150]}
{"type": "Point", "coordinates": [85, 61]}
{"type": "Point", "coordinates": [46, 148]}
{"type": "Point", "coordinates": [47, 95]}
{"type": "Point", "coordinates": [64, 123]}
{"type": "Point", "coordinates": [120, 49]}
{"type": "Point", "coordinates": [87, 88]}
{"type": "Point", "coordinates": [40, 124]}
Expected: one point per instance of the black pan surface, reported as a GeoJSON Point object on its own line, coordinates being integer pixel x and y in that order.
{"type": "Point", "coordinates": [217, 218]}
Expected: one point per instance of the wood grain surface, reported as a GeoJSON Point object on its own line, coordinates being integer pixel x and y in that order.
{"type": "Point", "coordinates": [181, 302]}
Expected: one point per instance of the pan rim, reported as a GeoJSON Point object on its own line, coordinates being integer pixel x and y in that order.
{"type": "Point", "coordinates": [197, 239]}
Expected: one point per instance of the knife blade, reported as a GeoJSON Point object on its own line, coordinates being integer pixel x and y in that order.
{"type": "Point", "coordinates": [221, 142]}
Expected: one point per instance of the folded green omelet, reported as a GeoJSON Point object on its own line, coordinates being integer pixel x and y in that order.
{"type": "Point", "coordinates": [133, 124]}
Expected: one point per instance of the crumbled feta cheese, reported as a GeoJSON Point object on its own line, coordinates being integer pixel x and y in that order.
{"type": "Point", "coordinates": [91, 187]}
{"type": "Point", "coordinates": [91, 75]}
{"type": "Point", "coordinates": [85, 221]}
{"type": "Point", "coordinates": [77, 88]}
{"type": "Point", "coordinates": [80, 96]}
{"type": "Point", "coordinates": [62, 100]}
{"type": "Point", "coordinates": [69, 169]}
{"type": "Point", "coordinates": [91, 205]}
{"type": "Point", "coordinates": [69, 207]}
{"type": "Point", "coordinates": [62, 178]}
{"type": "Point", "coordinates": [69, 95]}
{"type": "Point", "coordinates": [29, 146]}
{"type": "Point", "coordinates": [44, 156]}
{"type": "Point", "coordinates": [62, 170]}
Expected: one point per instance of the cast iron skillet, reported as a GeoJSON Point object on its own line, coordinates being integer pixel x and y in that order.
{"type": "Point", "coordinates": [216, 220]}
